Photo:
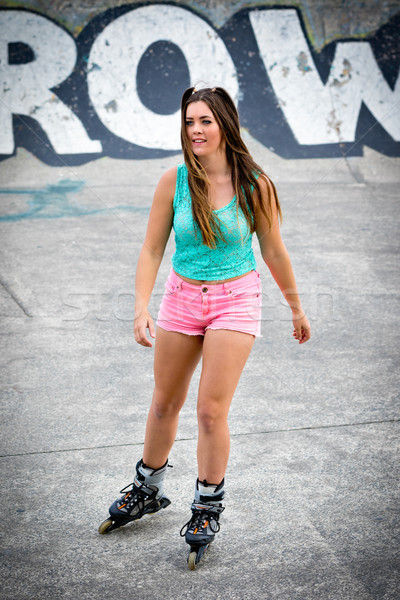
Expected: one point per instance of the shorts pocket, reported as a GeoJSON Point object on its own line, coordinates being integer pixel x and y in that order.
{"type": "Point", "coordinates": [244, 294]}
{"type": "Point", "coordinates": [172, 289]}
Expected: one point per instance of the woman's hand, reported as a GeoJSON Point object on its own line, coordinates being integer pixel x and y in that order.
{"type": "Point", "coordinates": [302, 329]}
{"type": "Point", "coordinates": [143, 321]}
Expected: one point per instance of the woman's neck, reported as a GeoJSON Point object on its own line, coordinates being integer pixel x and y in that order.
{"type": "Point", "coordinates": [216, 166]}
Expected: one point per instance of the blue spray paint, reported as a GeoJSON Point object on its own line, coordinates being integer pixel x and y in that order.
{"type": "Point", "coordinates": [54, 202]}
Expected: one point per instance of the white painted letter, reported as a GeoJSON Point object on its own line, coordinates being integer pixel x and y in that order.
{"type": "Point", "coordinates": [26, 89]}
{"type": "Point", "coordinates": [114, 60]}
{"type": "Point", "coordinates": [317, 113]}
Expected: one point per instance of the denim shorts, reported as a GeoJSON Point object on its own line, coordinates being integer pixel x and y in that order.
{"type": "Point", "coordinates": [194, 308]}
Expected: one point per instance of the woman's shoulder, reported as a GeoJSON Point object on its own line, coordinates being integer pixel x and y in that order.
{"type": "Point", "coordinates": [175, 173]}
{"type": "Point", "coordinates": [168, 180]}
{"type": "Point", "coordinates": [169, 176]}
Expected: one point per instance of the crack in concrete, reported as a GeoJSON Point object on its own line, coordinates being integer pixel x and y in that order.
{"type": "Point", "coordinates": [247, 433]}
{"type": "Point", "coordinates": [17, 300]}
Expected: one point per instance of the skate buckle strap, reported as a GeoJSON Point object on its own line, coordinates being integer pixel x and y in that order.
{"type": "Point", "coordinates": [216, 509]}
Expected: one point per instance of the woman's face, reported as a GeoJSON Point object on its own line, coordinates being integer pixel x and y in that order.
{"type": "Point", "coordinates": [202, 129]}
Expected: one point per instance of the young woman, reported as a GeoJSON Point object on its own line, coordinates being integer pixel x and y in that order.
{"type": "Point", "coordinates": [211, 308]}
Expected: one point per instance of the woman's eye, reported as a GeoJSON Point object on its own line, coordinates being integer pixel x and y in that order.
{"type": "Point", "coordinates": [189, 123]}
{"type": "Point", "coordinates": [206, 122]}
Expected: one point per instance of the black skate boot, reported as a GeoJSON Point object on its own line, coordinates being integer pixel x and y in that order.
{"type": "Point", "coordinates": [204, 523]}
{"type": "Point", "coordinates": [145, 497]}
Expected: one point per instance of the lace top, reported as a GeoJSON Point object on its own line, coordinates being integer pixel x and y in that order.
{"type": "Point", "coordinates": [195, 260]}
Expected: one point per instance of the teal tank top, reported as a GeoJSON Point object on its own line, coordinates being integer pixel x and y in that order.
{"type": "Point", "coordinates": [192, 258]}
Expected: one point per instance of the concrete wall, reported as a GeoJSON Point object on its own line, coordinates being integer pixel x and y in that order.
{"type": "Point", "coordinates": [80, 80]}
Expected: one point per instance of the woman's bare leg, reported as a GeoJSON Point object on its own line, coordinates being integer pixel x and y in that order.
{"type": "Point", "coordinates": [175, 359]}
{"type": "Point", "coordinates": [224, 355]}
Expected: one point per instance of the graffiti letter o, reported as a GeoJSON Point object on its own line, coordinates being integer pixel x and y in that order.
{"type": "Point", "coordinates": [114, 59]}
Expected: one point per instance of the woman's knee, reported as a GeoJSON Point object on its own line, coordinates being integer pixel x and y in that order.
{"type": "Point", "coordinates": [210, 416]}
{"type": "Point", "coordinates": [164, 406]}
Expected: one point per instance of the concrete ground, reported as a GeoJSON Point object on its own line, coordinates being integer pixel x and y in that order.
{"type": "Point", "coordinates": [312, 505]}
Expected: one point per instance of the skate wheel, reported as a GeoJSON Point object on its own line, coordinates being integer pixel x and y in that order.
{"type": "Point", "coordinates": [106, 526]}
{"type": "Point", "coordinates": [192, 561]}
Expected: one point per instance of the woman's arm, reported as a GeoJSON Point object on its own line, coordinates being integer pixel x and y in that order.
{"type": "Point", "coordinates": [157, 234]}
{"type": "Point", "coordinates": [276, 257]}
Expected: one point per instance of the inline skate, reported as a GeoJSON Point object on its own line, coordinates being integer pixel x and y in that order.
{"type": "Point", "coordinates": [200, 530]}
{"type": "Point", "coordinates": [146, 496]}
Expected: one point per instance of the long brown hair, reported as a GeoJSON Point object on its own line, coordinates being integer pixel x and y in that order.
{"type": "Point", "coordinates": [245, 172]}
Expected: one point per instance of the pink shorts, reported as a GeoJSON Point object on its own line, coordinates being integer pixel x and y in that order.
{"type": "Point", "coordinates": [193, 308]}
